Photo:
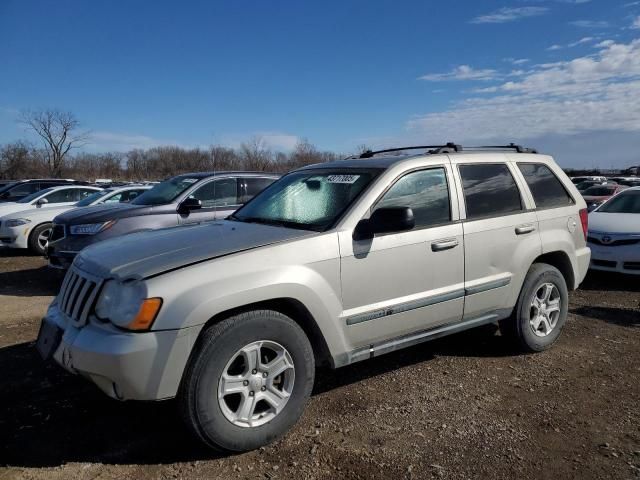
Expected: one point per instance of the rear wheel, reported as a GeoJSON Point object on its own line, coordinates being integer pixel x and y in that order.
{"type": "Point", "coordinates": [39, 238]}
{"type": "Point", "coordinates": [248, 382]}
{"type": "Point", "coordinates": [541, 312]}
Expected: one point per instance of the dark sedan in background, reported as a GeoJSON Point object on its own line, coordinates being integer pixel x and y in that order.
{"type": "Point", "coordinates": [181, 200]}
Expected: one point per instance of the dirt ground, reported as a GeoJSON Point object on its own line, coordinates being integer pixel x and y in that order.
{"type": "Point", "coordinates": [466, 406]}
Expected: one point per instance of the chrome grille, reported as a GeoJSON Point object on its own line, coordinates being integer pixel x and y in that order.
{"type": "Point", "coordinates": [78, 294]}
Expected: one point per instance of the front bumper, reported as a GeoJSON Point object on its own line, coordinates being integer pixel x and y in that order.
{"type": "Point", "coordinates": [621, 259]}
{"type": "Point", "coordinates": [14, 237]}
{"type": "Point", "coordinates": [124, 365]}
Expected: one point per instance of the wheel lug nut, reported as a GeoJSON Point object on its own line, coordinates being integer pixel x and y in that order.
{"type": "Point", "coordinates": [263, 388]}
{"type": "Point", "coordinates": [245, 383]}
{"type": "Point", "coordinates": [254, 371]}
{"type": "Point", "coordinates": [251, 393]}
{"type": "Point", "coordinates": [264, 374]}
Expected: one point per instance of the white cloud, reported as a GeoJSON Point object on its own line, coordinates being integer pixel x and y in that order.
{"type": "Point", "coordinates": [510, 14]}
{"type": "Point", "coordinates": [581, 41]}
{"type": "Point", "coordinates": [279, 141]}
{"type": "Point", "coordinates": [631, 4]}
{"type": "Point", "coordinates": [555, 47]}
{"type": "Point", "coordinates": [636, 23]}
{"type": "Point", "coordinates": [515, 61]}
{"type": "Point", "coordinates": [462, 72]}
{"type": "Point", "coordinates": [591, 93]}
{"type": "Point", "coordinates": [122, 141]}
{"type": "Point", "coordinates": [589, 23]}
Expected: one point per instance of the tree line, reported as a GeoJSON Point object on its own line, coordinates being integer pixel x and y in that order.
{"type": "Point", "coordinates": [59, 155]}
{"type": "Point", "coordinates": [21, 160]}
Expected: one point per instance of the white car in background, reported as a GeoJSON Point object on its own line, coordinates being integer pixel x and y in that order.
{"type": "Point", "coordinates": [30, 228]}
{"type": "Point", "coordinates": [614, 234]}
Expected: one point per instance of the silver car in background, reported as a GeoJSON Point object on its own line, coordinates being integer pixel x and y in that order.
{"type": "Point", "coordinates": [181, 200]}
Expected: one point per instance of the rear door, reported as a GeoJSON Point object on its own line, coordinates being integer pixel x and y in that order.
{"type": "Point", "coordinates": [500, 232]}
{"type": "Point", "coordinates": [399, 283]}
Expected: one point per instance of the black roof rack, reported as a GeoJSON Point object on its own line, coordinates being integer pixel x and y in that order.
{"type": "Point", "coordinates": [449, 148]}
{"type": "Point", "coordinates": [511, 146]}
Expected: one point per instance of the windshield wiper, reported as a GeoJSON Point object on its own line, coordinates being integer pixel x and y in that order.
{"type": "Point", "coordinates": [273, 222]}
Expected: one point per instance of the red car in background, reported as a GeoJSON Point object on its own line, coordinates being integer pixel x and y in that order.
{"type": "Point", "coordinates": [598, 194]}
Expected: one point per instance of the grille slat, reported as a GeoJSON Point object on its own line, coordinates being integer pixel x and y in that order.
{"type": "Point", "coordinates": [77, 295]}
{"type": "Point", "coordinates": [74, 295]}
{"type": "Point", "coordinates": [89, 303]}
{"type": "Point", "coordinates": [68, 290]}
{"type": "Point", "coordinates": [82, 295]}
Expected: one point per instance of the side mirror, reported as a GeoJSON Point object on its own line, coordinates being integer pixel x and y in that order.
{"type": "Point", "coordinates": [385, 220]}
{"type": "Point", "coordinates": [189, 204]}
{"type": "Point", "coordinates": [41, 202]}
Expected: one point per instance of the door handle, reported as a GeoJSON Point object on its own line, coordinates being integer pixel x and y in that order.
{"type": "Point", "coordinates": [441, 245]}
{"type": "Point", "coordinates": [524, 229]}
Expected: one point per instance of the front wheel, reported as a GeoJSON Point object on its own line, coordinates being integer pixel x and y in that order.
{"type": "Point", "coordinates": [541, 311]}
{"type": "Point", "coordinates": [248, 382]}
{"type": "Point", "coordinates": [39, 238]}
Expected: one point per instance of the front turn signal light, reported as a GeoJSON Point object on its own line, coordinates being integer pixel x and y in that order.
{"type": "Point", "coordinates": [146, 315]}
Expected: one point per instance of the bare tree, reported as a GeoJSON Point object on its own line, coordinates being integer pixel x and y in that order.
{"type": "Point", "coordinates": [57, 130]}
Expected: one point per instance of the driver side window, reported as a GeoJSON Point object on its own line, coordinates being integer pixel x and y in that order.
{"type": "Point", "coordinates": [218, 193]}
{"type": "Point", "coordinates": [426, 192]}
{"type": "Point", "coordinates": [61, 196]}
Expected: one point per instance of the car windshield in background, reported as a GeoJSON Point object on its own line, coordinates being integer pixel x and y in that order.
{"type": "Point", "coordinates": [307, 199]}
{"type": "Point", "coordinates": [627, 202]}
{"type": "Point", "coordinates": [166, 191]}
{"type": "Point", "coordinates": [33, 196]}
{"type": "Point", "coordinates": [599, 191]}
{"type": "Point", "coordinates": [85, 202]}
{"type": "Point", "coordinates": [7, 186]}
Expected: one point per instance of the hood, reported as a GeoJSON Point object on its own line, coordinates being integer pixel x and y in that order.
{"type": "Point", "coordinates": [102, 213]}
{"type": "Point", "coordinates": [144, 254]}
{"type": "Point", "coordinates": [614, 222]}
{"type": "Point", "coordinates": [10, 207]}
{"type": "Point", "coordinates": [47, 213]}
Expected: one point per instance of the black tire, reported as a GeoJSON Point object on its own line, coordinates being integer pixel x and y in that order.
{"type": "Point", "coordinates": [34, 243]}
{"type": "Point", "coordinates": [518, 327]}
{"type": "Point", "coordinates": [217, 345]}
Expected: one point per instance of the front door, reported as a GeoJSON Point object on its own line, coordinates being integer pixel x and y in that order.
{"type": "Point", "coordinates": [399, 283]}
{"type": "Point", "coordinates": [219, 199]}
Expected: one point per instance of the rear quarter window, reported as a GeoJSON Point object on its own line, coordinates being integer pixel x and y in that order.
{"type": "Point", "coordinates": [489, 190]}
{"type": "Point", "coordinates": [546, 188]}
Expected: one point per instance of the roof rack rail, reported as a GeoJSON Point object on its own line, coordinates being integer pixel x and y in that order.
{"type": "Point", "coordinates": [448, 148]}
{"type": "Point", "coordinates": [511, 146]}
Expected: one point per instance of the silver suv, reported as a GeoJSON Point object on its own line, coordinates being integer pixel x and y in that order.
{"type": "Point", "coordinates": [334, 263]}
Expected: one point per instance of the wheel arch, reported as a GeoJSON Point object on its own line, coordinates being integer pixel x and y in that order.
{"type": "Point", "coordinates": [293, 309]}
{"type": "Point", "coordinates": [560, 260]}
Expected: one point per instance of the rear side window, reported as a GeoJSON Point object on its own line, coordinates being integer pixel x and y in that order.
{"type": "Point", "coordinates": [545, 187]}
{"type": "Point", "coordinates": [489, 190]}
{"type": "Point", "coordinates": [425, 192]}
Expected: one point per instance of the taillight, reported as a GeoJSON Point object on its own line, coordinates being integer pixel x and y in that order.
{"type": "Point", "coordinates": [584, 219]}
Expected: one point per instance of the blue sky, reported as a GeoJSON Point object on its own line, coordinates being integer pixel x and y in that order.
{"type": "Point", "coordinates": [562, 75]}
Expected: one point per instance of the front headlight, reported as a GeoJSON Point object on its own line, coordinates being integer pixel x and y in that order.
{"type": "Point", "coordinates": [91, 228]}
{"type": "Point", "coordinates": [16, 222]}
{"type": "Point", "coordinates": [125, 305]}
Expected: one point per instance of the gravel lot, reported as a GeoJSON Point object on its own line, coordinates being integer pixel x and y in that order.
{"type": "Point", "coordinates": [462, 407]}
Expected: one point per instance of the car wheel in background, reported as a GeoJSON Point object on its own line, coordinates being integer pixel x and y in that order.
{"type": "Point", "coordinates": [248, 380]}
{"type": "Point", "coordinates": [39, 237]}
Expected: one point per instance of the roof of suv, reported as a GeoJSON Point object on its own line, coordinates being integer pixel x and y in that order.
{"type": "Point", "coordinates": [386, 158]}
